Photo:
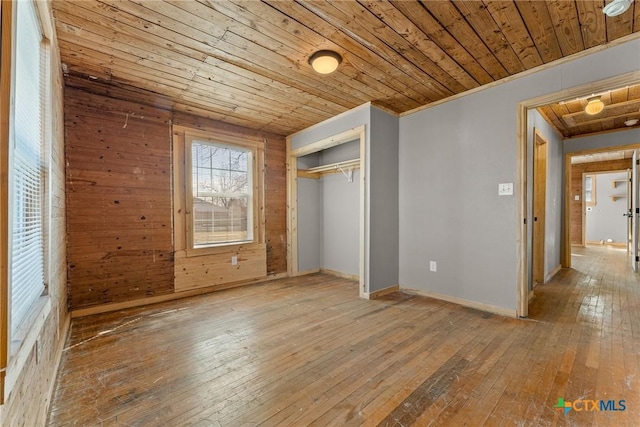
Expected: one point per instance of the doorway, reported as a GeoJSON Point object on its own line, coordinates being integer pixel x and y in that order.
{"type": "Point", "coordinates": [524, 245]}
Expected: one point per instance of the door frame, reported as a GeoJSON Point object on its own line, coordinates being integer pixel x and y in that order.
{"type": "Point", "coordinates": [356, 133]}
{"type": "Point", "coordinates": [584, 202]}
{"type": "Point", "coordinates": [540, 171]}
{"type": "Point", "coordinates": [522, 243]}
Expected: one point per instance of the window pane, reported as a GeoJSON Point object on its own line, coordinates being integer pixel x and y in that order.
{"type": "Point", "coordinates": [27, 170]}
{"type": "Point", "coordinates": [221, 194]}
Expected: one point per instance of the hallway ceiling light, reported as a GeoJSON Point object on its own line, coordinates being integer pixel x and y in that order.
{"type": "Point", "coordinates": [616, 7]}
{"type": "Point", "coordinates": [594, 105]}
{"type": "Point", "coordinates": [325, 61]}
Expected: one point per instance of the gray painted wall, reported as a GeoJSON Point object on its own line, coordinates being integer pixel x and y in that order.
{"type": "Point", "coordinates": [452, 157]}
{"type": "Point", "coordinates": [340, 223]}
{"type": "Point", "coordinates": [554, 191]}
{"type": "Point", "coordinates": [343, 122]}
{"type": "Point", "coordinates": [605, 140]}
{"type": "Point", "coordinates": [309, 224]}
{"type": "Point", "coordinates": [383, 213]}
{"type": "Point", "coordinates": [347, 151]}
{"type": "Point", "coordinates": [381, 238]}
{"type": "Point", "coordinates": [605, 220]}
{"type": "Point", "coordinates": [306, 249]}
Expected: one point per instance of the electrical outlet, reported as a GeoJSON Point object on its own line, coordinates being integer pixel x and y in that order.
{"type": "Point", "coordinates": [234, 260]}
{"type": "Point", "coordinates": [433, 266]}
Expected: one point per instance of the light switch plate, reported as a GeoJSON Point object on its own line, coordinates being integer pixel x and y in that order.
{"type": "Point", "coordinates": [505, 189]}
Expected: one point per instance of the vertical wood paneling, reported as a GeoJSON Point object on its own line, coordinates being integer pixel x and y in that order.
{"type": "Point", "coordinates": [576, 190]}
{"type": "Point", "coordinates": [276, 205]}
{"type": "Point", "coordinates": [118, 200]}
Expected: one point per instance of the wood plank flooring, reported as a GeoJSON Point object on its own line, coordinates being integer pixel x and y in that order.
{"type": "Point", "coordinates": [308, 351]}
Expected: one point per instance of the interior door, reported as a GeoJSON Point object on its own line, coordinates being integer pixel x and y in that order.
{"type": "Point", "coordinates": [635, 211]}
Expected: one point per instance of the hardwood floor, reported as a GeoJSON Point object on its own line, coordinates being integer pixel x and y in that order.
{"type": "Point", "coordinates": [308, 351]}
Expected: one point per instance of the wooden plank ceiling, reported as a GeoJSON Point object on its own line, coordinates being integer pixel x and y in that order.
{"type": "Point", "coordinates": [621, 109]}
{"type": "Point", "coordinates": [246, 62]}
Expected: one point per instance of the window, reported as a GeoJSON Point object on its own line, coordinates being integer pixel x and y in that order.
{"type": "Point", "coordinates": [590, 190]}
{"type": "Point", "coordinates": [27, 173]}
{"type": "Point", "coordinates": [220, 193]}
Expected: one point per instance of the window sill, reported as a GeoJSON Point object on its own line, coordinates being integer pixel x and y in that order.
{"type": "Point", "coordinates": [26, 338]}
{"type": "Point", "coordinates": [218, 249]}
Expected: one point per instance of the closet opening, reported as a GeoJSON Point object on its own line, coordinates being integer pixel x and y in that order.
{"type": "Point", "coordinates": [326, 215]}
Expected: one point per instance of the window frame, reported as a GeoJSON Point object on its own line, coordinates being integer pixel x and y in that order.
{"type": "Point", "coordinates": [251, 220]}
{"type": "Point", "coordinates": [593, 200]}
{"type": "Point", "coordinates": [181, 171]}
{"type": "Point", "coordinates": [15, 349]}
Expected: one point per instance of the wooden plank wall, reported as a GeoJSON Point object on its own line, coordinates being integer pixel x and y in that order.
{"type": "Point", "coordinates": [120, 243]}
{"type": "Point", "coordinates": [118, 200]}
{"type": "Point", "coordinates": [576, 190]}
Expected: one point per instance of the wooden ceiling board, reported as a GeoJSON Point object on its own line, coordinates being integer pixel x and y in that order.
{"type": "Point", "coordinates": [621, 25]}
{"type": "Point", "coordinates": [564, 15]}
{"type": "Point", "coordinates": [246, 61]}
{"type": "Point", "coordinates": [508, 18]}
{"type": "Point", "coordinates": [538, 21]}
{"type": "Point", "coordinates": [477, 15]}
{"type": "Point", "coordinates": [592, 22]}
{"type": "Point", "coordinates": [451, 19]}
{"type": "Point", "coordinates": [422, 19]}
{"type": "Point", "coordinates": [362, 59]}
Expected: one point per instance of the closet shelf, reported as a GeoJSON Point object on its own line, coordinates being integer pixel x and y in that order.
{"type": "Point", "coordinates": [333, 167]}
{"type": "Point", "coordinates": [615, 197]}
{"type": "Point", "coordinates": [617, 182]}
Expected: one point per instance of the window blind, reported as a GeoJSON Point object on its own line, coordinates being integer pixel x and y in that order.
{"type": "Point", "coordinates": [27, 251]}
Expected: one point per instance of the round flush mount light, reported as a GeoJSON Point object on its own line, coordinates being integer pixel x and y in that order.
{"type": "Point", "coordinates": [325, 61]}
{"type": "Point", "coordinates": [594, 105]}
{"type": "Point", "coordinates": [631, 122]}
{"type": "Point", "coordinates": [617, 7]}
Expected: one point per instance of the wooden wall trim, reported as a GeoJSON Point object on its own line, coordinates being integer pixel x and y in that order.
{"type": "Point", "coordinates": [465, 302]}
{"type": "Point", "coordinates": [574, 185]}
{"type": "Point", "coordinates": [106, 308]}
{"type": "Point", "coordinates": [6, 17]}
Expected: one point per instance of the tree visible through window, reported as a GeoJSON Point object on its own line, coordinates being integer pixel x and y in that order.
{"type": "Point", "coordinates": [222, 196]}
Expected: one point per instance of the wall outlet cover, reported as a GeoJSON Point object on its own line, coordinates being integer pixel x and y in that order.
{"type": "Point", "coordinates": [505, 189]}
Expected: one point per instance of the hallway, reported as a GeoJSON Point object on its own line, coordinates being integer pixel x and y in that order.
{"type": "Point", "coordinates": [308, 351]}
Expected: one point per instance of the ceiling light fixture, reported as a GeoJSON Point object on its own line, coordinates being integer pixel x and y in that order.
{"type": "Point", "coordinates": [325, 61]}
{"type": "Point", "coordinates": [631, 122]}
{"type": "Point", "coordinates": [616, 7]}
{"type": "Point", "coordinates": [594, 106]}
